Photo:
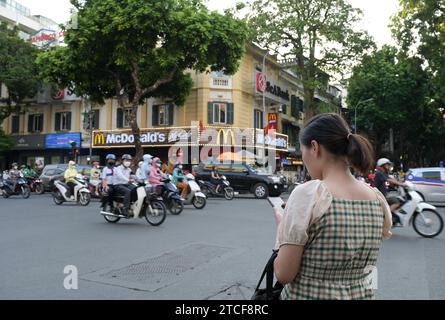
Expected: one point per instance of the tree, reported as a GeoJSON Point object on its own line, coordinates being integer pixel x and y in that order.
{"type": "Point", "coordinates": [419, 28]}
{"type": "Point", "coordinates": [399, 89]}
{"type": "Point", "coordinates": [6, 143]}
{"type": "Point", "coordinates": [18, 72]}
{"type": "Point", "coordinates": [136, 49]}
{"type": "Point", "coordinates": [318, 35]}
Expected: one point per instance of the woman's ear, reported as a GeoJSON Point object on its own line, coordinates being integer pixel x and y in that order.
{"type": "Point", "coordinates": [315, 148]}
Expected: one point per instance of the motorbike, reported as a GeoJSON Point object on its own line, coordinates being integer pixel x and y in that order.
{"type": "Point", "coordinates": [62, 192]}
{"type": "Point", "coordinates": [195, 196]}
{"type": "Point", "coordinates": [144, 203]}
{"type": "Point", "coordinates": [170, 194]}
{"type": "Point", "coordinates": [94, 187]}
{"type": "Point", "coordinates": [209, 189]}
{"type": "Point", "coordinates": [424, 217]}
{"type": "Point", "coordinates": [35, 184]}
{"type": "Point", "coordinates": [21, 188]}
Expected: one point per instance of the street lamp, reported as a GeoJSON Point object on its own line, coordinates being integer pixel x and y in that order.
{"type": "Point", "coordinates": [355, 112]}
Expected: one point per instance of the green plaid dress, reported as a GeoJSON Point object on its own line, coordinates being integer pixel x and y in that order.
{"type": "Point", "coordinates": [341, 246]}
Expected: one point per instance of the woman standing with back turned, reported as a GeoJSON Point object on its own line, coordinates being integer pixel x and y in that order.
{"type": "Point", "coordinates": [333, 226]}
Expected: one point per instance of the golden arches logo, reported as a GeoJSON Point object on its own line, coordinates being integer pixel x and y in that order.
{"type": "Point", "coordinates": [225, 133]}
{"type": "Point", "coordinates": [273, 117]}
{"type": "Point", "coordinates": [99, 138]}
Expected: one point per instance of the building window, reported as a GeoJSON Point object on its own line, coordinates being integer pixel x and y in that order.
{"type": "Point", "coordinates": [123, 118]}
{"type": "Point", "coordinates": [163, 115]}
{"type": "Point", "coordinates": [258, 119]}
{"type": "Point", "coordinates": [35, 123]}
{"type": "Point", "coordinates": [15, 124]}
{"type": "Point", "coordinates": [220, 113]}
{"type": "Point", "coordinates": [63, 121]}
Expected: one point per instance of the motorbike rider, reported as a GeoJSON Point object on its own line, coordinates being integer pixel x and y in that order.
{"type": "Point", "coordinates": [215, 178]}
{"type": "Point", "coordinates": [14, 175]}
{"type": "Point", "coordinates": [122, 180]}
{"type": "Point", "coordinates": [381, 177]}
{"type": "Point", "coordinates": [179, 180]}
{"type": "Point", "coordinates": [70, 178]}
{"type": "Point", "coordinates": [146, 167]}
{"type": "Point", "coordinates": [95, 175]}
{"type": "Point", "coordinates": [29, 172]}
{"type": "Point", "coordinates": [155, 173]}
{"type": "Point", "coordinates": [107, 181]}
{"type": "Point", "coordinates": [139, 175]}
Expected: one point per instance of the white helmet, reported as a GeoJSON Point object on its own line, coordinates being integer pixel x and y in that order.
{"type": "Point", "coordinates": [381, 162]}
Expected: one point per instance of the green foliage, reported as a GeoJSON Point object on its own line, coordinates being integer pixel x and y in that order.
{"type": "Point", "coordinates": [318, 34]}
{"type": "Point", "coordinates": [6, 142]}
{"type": "Point", "coordinates": [18, 71]}
{"type": "Point", "coordinates": [143, 48]}
{"type": "Point", "coordinates": [419, 28]}
{"type": "Point", "coordinates": [400, 91]}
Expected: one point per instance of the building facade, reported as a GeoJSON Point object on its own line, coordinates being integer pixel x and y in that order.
{"type": "Point", "coordinates": [245, 100]}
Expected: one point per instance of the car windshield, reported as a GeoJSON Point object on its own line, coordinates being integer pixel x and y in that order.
{"type": "Point", "coordinates": [258, 169]}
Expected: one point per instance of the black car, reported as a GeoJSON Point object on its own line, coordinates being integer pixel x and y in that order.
{"type": "Point", "coordinates": [52, 172]}
{"type": "Point", "coordinates": [245, 178]}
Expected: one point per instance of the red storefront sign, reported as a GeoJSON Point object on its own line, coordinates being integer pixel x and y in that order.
{"type": "Point", "coordinates": [260, 82]}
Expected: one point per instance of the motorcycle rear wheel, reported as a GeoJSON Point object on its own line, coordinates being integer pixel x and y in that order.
{"type": "Point", "coordinates": [199, 202]}
{"type": "Point", "coordinates": [229, 193]}
{"type": "Point", "coordinates": [112, 219]}
{"type": "Point", "coordinates": [418, 223]}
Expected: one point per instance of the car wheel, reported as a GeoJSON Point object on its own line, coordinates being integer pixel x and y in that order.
{"type": "Point", "coordinates": [260, 190]}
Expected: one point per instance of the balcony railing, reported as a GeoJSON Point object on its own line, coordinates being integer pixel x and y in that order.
{"type": "Point", "coordinates": [221, 82]}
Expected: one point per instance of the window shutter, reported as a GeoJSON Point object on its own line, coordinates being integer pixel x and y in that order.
{"type": "Point", "coordinates": [210, 113]}
{"type": "Point", "coordinates": [41, 122]}
{"type": "Point", "coordinates": [300, 105]}
{"type": "Point", "coordinates": [30, 121]}
{"type": "Point", "coordinates": [96, 119]}
{"type": "Point", "coordinates": [120, 118]}
{"type": "Point", "coordinates": [171, 110]}
{"type": "Point", "coordinates": [57, 124]}
{"type": "Point", "coordinates": [68, 121]}
{"type": "Point", "coordinates": [284, 106]}
{"type": "Point", "coordinates": [155, 116]}
{"type": "Point", "coordinates": [230, 108]}
{"type": "Point", "coordinates": [15, 124]}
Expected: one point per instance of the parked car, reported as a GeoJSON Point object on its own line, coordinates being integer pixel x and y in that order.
{"type": "Point", "coordinates": [246, 178]}
{"type": "Point", "coordinates": [429, 182]}
{"type": "Point", "coordinates": [52, 172]}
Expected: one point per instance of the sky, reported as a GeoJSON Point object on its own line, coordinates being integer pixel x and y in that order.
{"type": "Point", "coordinates": [376, 17]}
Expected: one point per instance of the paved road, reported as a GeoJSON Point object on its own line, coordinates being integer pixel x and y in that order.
{"type": "Point", "coordinates": [216, 253]}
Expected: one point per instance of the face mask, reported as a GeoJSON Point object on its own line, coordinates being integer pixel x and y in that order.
{"type": "Point", "coordinates": [111, 163]}
{"type": "Point", "coordinates": [127, 164]}
{"type": "Point", "coordinates": [180, 167]}
{"type": "Point", "coordinates": [15, 168]}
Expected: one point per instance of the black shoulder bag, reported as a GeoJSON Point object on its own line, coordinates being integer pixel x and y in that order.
{"type": "Point", "coordinates": [272, 292]}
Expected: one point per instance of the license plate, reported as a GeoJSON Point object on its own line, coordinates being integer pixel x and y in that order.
{"type": "Point", "coordinates": [236, 193]}
{"type": "Point", "coordinates": [285, 185]}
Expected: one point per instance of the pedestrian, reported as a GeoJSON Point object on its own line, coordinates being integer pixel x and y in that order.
{"type": "Point", "coordinates": [331, 231]}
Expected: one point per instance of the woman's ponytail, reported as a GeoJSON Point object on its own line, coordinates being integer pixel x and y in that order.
{"type": "Point", "coordinates": [360, 153]}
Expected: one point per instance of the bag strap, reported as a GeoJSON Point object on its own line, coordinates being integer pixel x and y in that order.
{"type": "Point", "coordinates": [269, 271]}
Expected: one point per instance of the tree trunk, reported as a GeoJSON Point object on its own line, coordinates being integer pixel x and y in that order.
{"type": "Point", "coordinates": [308, 104]}
{"type": "Point", "coordinates": [136, 131]}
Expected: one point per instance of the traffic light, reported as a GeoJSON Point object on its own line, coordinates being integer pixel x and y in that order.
{"type": "Point", "coordinates": [443, 118]}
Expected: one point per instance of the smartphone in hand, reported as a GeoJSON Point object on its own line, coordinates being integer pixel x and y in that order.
{"type": "Point", "coordinates": [277, 203]}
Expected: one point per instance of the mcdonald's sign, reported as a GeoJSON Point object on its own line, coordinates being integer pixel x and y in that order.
{"type": "Point", "coordinates": [99, 138]}
{"type": "Point", "coordinates": [225, 134]}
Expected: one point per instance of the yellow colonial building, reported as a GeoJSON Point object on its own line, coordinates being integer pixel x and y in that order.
{"type": "Point", "coordinates": [244, 100]}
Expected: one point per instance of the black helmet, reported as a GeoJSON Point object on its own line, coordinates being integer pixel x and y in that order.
{"type": "Point", "coordinates": [126, 157]}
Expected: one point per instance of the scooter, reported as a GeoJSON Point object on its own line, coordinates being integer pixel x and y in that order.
{"type": "Point", "coordinates": [21, 188]}
{"type": "Point", "coordinates": [170, 194]}
{"type": "Point", "coordinates": [35, 184]}
{"type": "Point", "coordinates": [144, 204]}
{"type": "Point", "coordinates": [424, 217]}
{"type": "Point", "coordinates": [195, 196]}
{"type": "Point", "coordinates": [93, 187]}
{"type": "Point", "coordinates": [62, 192]}
{"type": "Point", "coordinates": [209, 189]}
